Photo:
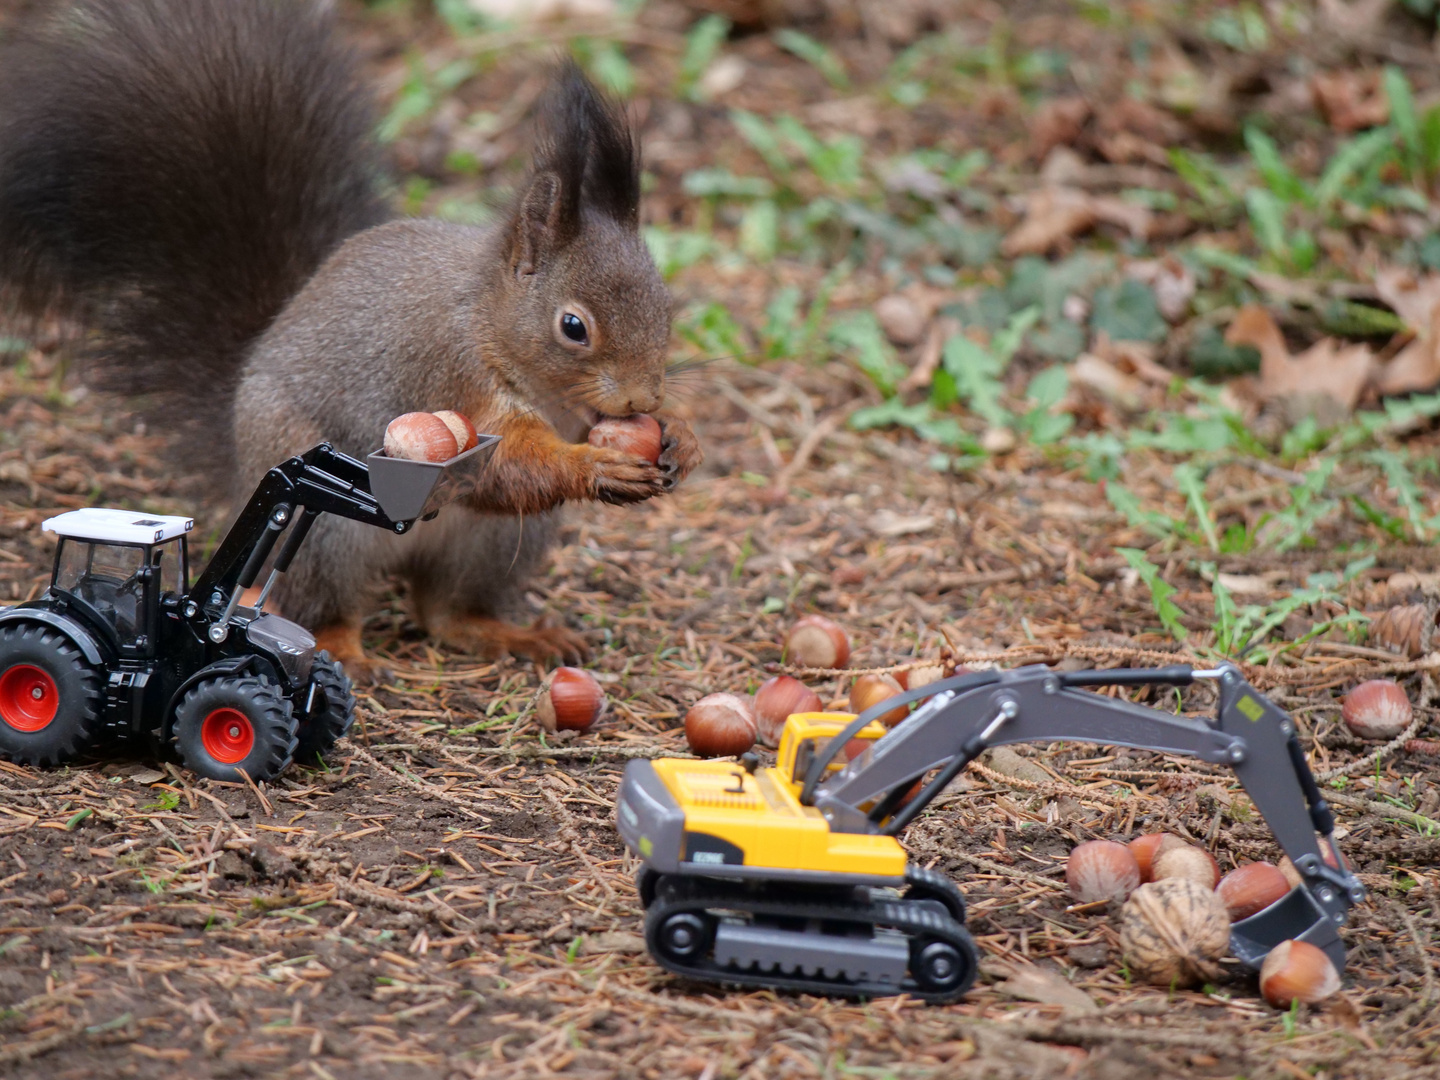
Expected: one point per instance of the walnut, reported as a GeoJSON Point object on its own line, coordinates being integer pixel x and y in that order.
{"type": "Point", "coordinates": [1173, 932]}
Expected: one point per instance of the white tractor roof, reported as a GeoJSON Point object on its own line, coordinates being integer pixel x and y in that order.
{"type": "Point", "coordinates": [117, 526]}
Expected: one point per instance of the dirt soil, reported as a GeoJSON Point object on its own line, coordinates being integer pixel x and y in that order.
{"type": "Point", "coordinates": [450, 898]}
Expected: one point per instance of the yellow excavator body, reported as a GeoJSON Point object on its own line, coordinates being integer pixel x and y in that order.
{"type": "Point", "coordinates": [756, 820]}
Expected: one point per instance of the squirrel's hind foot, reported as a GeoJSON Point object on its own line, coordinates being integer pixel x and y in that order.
{"type": "Point", "coordinates": [342, 642]}
{"type": "Point", "coordinates": [494, 638]}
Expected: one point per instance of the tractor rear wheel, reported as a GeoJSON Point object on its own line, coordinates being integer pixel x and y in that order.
{"type": "Point", "coordinates": [50, 697]}
{"type": "Point", "coordinates": [234, 722]}
{"type": "Point", "coordinates": [332, 710]}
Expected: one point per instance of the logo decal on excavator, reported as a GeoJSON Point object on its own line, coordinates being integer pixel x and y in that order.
{"type": "Point", "coordinates": [1250, 707]}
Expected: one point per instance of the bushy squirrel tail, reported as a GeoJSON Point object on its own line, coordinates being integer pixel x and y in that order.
{"type": "Point", "coordinates": [171, 173]}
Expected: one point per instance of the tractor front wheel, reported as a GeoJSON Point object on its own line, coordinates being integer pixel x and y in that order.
{"type": "Point", "coordinates": [332, 710]}
{"type": "Point", "coordinates": [50, 696]}
{"type": "Point", "coordinates": [234, 722]}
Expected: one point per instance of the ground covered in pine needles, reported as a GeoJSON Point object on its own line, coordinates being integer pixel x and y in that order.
{"type": "Point", "coordinates": [449, 896]}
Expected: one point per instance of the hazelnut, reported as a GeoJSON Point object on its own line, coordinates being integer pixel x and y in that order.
{"type": "Point", "coordinates": [420, 436]}
{"type": "Point", "coordinates": [870, 690]}
{"type": "Point", "coordinates": [1101, 870]}
{"type": "Point", "coordinates": [719, 725]}
{"type": "Point", "coordinates": [1251, 888]}
{"type": "Point", "coordinates": [461, 427]}
{"type": "Point", "coordinates": [776, 701]}
{"type": "Point", "coordinates": [816, 642]}
{"type": "Point", "coordinates": [638, 435]}
{"type": "Point", "coordinates": [1297, 971]}
{"type": "Point", "coordinates": [1378, 709]}
{"type": "Point", "coordinates": [569, 700]}
{"type": "Point", "coordinates": [1145, 848]}
{"type": "Point", "coordinates": [1174, 932]}
{"type": "Point", "coordinates": [1185, 861]}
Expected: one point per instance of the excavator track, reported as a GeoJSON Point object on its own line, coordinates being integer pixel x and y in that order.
{"type": "Point", "coordinates": [853, 942]}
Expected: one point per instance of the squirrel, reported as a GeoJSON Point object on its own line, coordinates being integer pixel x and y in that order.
{"type": "Point", "coordinates": [197, 184]}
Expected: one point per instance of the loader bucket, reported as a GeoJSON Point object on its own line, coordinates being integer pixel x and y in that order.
{"type": "Point", "coordinates": [407, 490]}
{"type": "Point", "coordinates": [1297, 916]}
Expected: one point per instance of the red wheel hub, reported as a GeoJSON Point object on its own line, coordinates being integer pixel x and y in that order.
{"type": "Point", "coordinates": [227, 736]}
{"type": "Point", "coordinates": [29, 698]}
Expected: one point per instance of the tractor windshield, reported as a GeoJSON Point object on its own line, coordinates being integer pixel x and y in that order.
{"type": "Point", "coordinates": [105, 576]}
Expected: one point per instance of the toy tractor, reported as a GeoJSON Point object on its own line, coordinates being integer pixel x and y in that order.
{"type": "Point", "coordinates": [122, 647]}
{"type": "Point", "coordinates": [793, 876]}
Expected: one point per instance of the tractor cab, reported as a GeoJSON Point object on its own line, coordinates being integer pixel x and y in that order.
{"type": "Point", "coordinates": [114, 567]}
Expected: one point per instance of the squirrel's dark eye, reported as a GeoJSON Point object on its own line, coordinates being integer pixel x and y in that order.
{"type": "Point", "coordinates": [573, 327]}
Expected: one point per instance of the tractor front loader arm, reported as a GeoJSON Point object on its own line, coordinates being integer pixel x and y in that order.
{"type": "Point", "coordinates": [322, 480]}
{"type": "Point", "coordinates": [965, 715]}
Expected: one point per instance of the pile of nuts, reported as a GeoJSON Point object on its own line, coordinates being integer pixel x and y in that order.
{"type": "Point", "coordinates": [423, 436]}
{"type": "Point", "coordinates": [1177, 910]}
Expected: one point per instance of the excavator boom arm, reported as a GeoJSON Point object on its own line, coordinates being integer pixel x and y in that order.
{"type": "Point", "coordinates": [964, 716]}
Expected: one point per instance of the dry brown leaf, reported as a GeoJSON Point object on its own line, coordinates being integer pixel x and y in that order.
{"type": "Point", "coordinates": [1052, 215]}
{"type": "Point", "coordinates": [1350, 100]}
{"type": "Point", "coordinates": [1058, 122]}
{"type": "Point", "coordinates": [1056, 213]}
{"type": "Point", "coordinates": [1142, 120]}
{"type": "Point", "coordinates": [1355, 20]}
{"type": "Point", "coordinates": [1244, 584]}
{"type": "Point", "coordinates": [1098, 374]}
{"type": "Point", "coordinates": [1413, 298]}
{"type": "Point", "coordinates": [1134, 358]}
{"type": "Point", "coordinates": [1031, 983]}
{"type": "Point", "coordinates": [1417, 301]}
{"type": "Point", "coordinates": [1135, 219]}
{"type": "Point", "coordinates": [1329, 369]}
{"type": "Point", "coordinates": [1125, 148]}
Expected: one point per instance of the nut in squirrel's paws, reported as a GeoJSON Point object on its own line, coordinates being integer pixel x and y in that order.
{"type": "Point", "coordinates": [638, 435]}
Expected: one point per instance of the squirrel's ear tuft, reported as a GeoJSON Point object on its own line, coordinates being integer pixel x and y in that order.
{"type": "Point", "coordinates": [542, 222]}
{"type": "Point", "coordinates": [588, 138]}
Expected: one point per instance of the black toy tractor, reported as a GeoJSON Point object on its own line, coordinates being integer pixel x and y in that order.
{"type": "Point", "coordinates": [123, 647]}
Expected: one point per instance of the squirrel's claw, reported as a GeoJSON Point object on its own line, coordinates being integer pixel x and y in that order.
{"type": "Point", "coordinates": [619, 478]}
{"type": "Point", "coordinates": [680, 451]}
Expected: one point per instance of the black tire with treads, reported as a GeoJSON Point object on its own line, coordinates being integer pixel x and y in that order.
{"type": "Point", "coordinates": [331, 714]}
{"type": "Point", "coordinates": [51, 698]}
{"type": "Point", "coordinates": [233, 722]}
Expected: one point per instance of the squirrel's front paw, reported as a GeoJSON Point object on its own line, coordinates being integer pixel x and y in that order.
{"type": "Point", "coordinates": [680, 451]}
{"type": "Point", "coordinates": [622, 478]}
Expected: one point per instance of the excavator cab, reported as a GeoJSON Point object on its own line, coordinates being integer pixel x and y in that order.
{"type": "Point", "coordinates": [805, 735]}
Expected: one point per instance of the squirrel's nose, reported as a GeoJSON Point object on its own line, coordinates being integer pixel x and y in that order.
{"type": "Point", "coordinates": [647, 399]}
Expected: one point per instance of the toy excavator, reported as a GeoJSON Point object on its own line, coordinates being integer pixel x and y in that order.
{"type": "Point", "coordinates": [792, 876]}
